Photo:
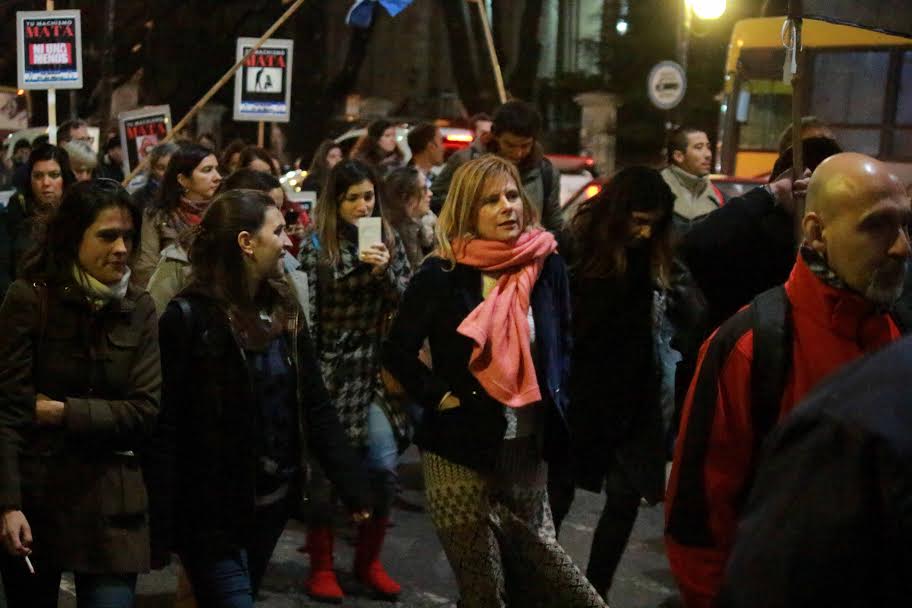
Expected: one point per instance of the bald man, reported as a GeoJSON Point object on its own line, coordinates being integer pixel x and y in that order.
{"type": "Point", "coordinates": [831, 310]}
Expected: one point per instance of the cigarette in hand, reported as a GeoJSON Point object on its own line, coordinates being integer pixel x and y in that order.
{"type": "Point", "coordinates": [28, 563]}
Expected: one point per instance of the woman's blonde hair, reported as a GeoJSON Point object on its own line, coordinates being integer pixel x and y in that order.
{"type": "Point", "coordinates": [459, 216]}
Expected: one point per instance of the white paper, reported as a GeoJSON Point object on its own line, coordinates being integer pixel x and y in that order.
{"type": "Point", "coordinates": [370, 232]}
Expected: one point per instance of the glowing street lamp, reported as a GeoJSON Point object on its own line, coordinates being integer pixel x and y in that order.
{"type": "Point", "coordinates": [703, 9]}
{"type": "Point", "coordinates": [707, 9]}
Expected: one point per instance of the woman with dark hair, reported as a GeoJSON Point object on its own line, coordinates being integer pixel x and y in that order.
{"type": "Point", "coordinates": [378, 147]}
{"type": "Point", "coordinates": [621, 256]}
{"type": "Point", "coordinates": [159, 157]}
{"type": "Point", "coordinates": [328, 154]}
{"type": "Point", "coordinates": [190, 182]}
{"type": "Point", "coordinates": [79, 395]}
{"type": "Point", "coordinates": [173, 269]}
{"type": "Point", "coordinates": [352, 294]}
{"type": "Point", "coordinates": [49, 176]}
{"type": "Point", "coordinates": [493, 302]}
{"type": "Point", "coordinates": [259, 159]}
{"type": "Point", "coordinates": [231, 156]}
{"type": "Point", "coordinates": [408, 208]}
{"type": "Point", "coordinates": [243, 399]}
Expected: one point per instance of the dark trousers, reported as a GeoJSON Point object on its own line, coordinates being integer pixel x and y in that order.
{"type": "Point", "coordinates": [41, 590]}
{"type": "Point", "coordinates": [231, 579]}
{"type": "Point", "coordinates": [622, 501]}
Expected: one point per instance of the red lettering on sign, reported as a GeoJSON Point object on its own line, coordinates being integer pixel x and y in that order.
{"type": "Point", "coordinates": [265, 61]}
{"type": "Point", "coordinates": [52, 31]}
{"type": "Point", "coordinates": [135, 131]}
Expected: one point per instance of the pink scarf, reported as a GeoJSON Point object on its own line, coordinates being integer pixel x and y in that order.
{"type": "Point", "coordinates": [501, 356]}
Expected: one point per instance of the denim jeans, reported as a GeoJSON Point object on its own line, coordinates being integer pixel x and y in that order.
{"type": "Point", "coordinates": [382, 451]}
{"type": "Point", "coordinates": [220, 582]}
{"type": "Point", "coordinates": [40, 590]}
{"type": "Point", "coordinates": [231, 579]}
{"type": "Point", "coordinates": [380, 460]}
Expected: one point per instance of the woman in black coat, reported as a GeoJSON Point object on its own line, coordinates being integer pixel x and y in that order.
{"type": "Point", "coordinates": [242, 399]}
{"type": "Point", "coordinates": [620, 258]}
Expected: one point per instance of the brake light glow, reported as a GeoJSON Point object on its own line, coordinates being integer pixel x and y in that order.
{"type": "Point", "coordinates": [592, 190]}
{"type": "Point", "coordinates": [460, 137]}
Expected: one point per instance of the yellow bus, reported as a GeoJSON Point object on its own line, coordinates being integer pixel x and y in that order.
{"type": "Point", "coordinates": [858, 81]}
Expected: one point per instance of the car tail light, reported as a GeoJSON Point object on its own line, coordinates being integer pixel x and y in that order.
{"type": "Point", "coordinates": [460, 138]}
{"type": "Point", "coordinates": [592, 190]}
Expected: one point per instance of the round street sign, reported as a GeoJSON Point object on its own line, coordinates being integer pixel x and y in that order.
{"type": "Point", "coordinates": [666, 85]}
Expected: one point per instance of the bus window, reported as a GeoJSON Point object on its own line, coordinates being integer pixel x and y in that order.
{"type": "Point", "coordinates": [849, 87]}
{"type": "Point", "coordinates": [904, 102]}
{"type": "Point", "coordinates": [768, 113]}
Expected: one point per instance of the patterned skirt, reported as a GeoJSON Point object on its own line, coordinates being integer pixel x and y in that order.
{"type": "Point", "coordinates": [498, 535]}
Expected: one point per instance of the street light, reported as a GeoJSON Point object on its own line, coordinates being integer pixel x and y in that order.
{"type": "Point", "coordinates": [707, 9]}
{"type": "Point", "coordinates": [703, 9]}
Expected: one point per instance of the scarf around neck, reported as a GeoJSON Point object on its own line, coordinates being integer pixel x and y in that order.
{"type": "Point", "coordinates": [191, 212]}
{"type": "Point", "coordinates": [501, 357]}
{"type": "Point", "coordinates": [97, 292]}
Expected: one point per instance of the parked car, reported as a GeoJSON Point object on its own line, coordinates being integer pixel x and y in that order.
{"type": "Point", "coordinates": [454, 138]}
{"type": "Point", "coordinates": [730, 187]}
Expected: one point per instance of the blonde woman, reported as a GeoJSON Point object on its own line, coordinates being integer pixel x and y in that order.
{"type": "Point", "coordinates": [493, 301]}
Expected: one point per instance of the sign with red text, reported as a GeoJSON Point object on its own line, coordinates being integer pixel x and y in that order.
{"type": "Point", "coordinates": [262, 86]}
{"type": "Point", "coordinates": [140, 131]}
{"type": "Point", "coordinates": [49, 45]}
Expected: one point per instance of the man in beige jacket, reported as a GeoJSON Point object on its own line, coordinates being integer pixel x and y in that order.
{"type": "Point", "coordinates": [687, 174]}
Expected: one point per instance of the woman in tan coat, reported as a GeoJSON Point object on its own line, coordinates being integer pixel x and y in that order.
{"type": "Point", "coordinates": [190, 182]}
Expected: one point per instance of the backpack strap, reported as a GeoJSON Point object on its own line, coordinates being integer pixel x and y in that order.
{"type": "Point", "coordinates": [771, 319]}
{"type": "Point", "coordinates": [186, 313]}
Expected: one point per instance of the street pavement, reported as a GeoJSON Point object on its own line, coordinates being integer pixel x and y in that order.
{"type": "Point", "coordinates": [413, 557]}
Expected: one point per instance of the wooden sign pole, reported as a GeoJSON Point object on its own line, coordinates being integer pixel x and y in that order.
{"type": "Point", "coordinates": [218, 85]}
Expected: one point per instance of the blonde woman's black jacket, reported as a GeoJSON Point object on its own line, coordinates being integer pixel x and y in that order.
{"type": "Point", "coordinates": [209, 427]}
{"type": "Point", "coordinates": [436, 302]}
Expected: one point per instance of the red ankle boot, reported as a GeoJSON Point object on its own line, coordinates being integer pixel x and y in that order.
{"type": "Point", "coordinates": [368, 569]}
{"type": "Point", "coordinates": [322, 584]}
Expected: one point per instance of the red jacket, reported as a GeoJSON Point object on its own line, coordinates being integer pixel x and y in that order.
{"type": "Point", "coordinates": [831, 327]}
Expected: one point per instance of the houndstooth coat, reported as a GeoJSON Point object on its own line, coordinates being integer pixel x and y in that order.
{"type": "Point", "coordinates": [347, 318]}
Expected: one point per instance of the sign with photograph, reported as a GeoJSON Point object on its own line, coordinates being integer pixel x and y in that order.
{"type": "Point", "coordinates": [14, 110]}
{"type": "Point", "coordinates": [140, 131]}
{"type": "Point", "coordinates": [262, 86]}
{"type": "Point", "coordinates": [49, 45]}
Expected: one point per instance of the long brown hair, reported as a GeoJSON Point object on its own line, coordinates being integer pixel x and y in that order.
{"type": "Point", "coordinates": [401, 188]}
{"type": "Point", "coordinates": [600, 229]}
{"type": "Point", "coordinates": [367, 149]}
{"type": "Point", "coordinates": [459, 216]}
{"type": "Point", "coordinates": [343, 176]}
{"type": "Point", "coordinates": [216, 260]}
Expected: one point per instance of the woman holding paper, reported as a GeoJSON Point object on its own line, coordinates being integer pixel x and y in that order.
{"type": "Point", "coordinates": [493, 301]}
{"type": "Point", "coordinates": [357, 270]}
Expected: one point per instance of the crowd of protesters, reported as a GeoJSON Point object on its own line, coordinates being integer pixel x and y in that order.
{"type": "Point", "coordinates": [182, 366]}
